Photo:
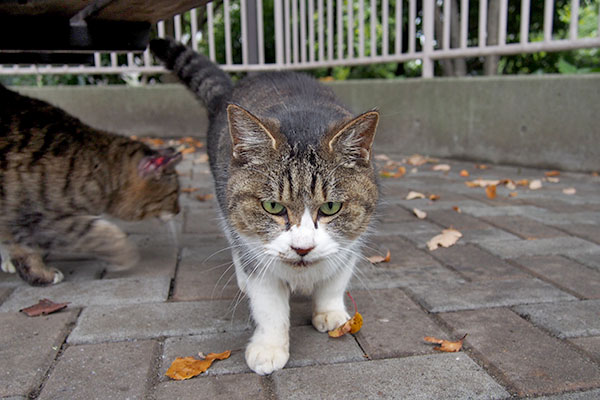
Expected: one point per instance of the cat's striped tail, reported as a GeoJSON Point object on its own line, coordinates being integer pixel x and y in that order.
{"type": "Point", "coordinates": [204, 78]}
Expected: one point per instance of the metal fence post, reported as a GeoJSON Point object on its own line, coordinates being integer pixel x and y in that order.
{"type": "Point", "coordinates": [428, 24]}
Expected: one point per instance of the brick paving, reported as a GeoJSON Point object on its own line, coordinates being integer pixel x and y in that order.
{"type": "Point", "coordinates": [523, 282]}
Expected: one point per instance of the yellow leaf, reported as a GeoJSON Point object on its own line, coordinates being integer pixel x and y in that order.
{"type": "Point", "coordinates": [446, 345]}
{"type": "Point", "coordinates": [352, 326]}
{"type": "Point", "coordinates": [490, 191]}
{"type": "Point", "coordinates": [188, 367]}
{"type": "Point", "coordinates": [464, 173]}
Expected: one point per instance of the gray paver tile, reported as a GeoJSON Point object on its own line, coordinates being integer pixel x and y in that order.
{"type": "Point", "coordinates": [589, 232]}
{"type": "Point", "coordinates": [394, 326]}
{"type": "Point", "coordinates": [459, 221]}
{"type": "Point", "coordinates": [524, 227]}
{"type": "Point", "coordinates": [588, 395]}
{"type": "Point", "coordinates": [539, 247]}
{"type": "Point", "coordinates": [567, 319]}
{"type": "Point", "coordinates": [591, 345]}
{"type": "Point", "coordinates": [152, 320]}
{"type": "Point", "coordinates": [201, 223]}
{"type": "Point", "coordinates": [526, 357]}
{"type": "Point", "coordinates": [4, 292]}
{"type": "Point", "coordinates": [28, 347]}
{"type": "Point", "coordinates": [443, 376]}
{"type": "Point", "coordinates": [82, 294]}
{"type": "Point", "coordinates": [489, 211]}
{"type": "Point", "coordinates": [159, 261]}
{"type": "Point", "coordinates": [592, 260]}
{"type": "Point", "coordinates": [565, 273]}
{"type": "Point", "coordinates": [441, 296]}
{"type": "Point", "coordinates": [79, 270]}
{"type": "Point", "coordinates": [222, 387]}
{"type": "Point", "coordinates": [110, 371]}
{"type": "Point", "coordinates": [388, 275]}
{"type": "Point", "coordinates": [585, 217]}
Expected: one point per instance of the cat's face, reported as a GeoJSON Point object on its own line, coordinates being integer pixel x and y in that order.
{"type": "Point", "coordinates": [302, 204]}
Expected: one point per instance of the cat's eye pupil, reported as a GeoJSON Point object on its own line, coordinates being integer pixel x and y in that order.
{"type": "Point", "coordinates": [330, 205]}
{"type": "Point", "coordinates": [330, 208]}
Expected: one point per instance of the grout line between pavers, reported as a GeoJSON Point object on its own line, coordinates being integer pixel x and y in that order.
{"type": "Point", "coordinates": [175, 272]}
{"type": "Point", "coordinates": [154, 372]}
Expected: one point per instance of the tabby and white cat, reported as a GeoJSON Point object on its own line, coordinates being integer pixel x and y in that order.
{"type": "Point", "coordinates": [58, 176]}
{"type": "Point", "coordinates": [296, 188]}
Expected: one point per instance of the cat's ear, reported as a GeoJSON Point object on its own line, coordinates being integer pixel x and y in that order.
{"type": "Point", "coordinates": [250, 138]}
{"type": "Point", "coordinates": [354, 140]}
{"type": "Point", "coordinates": [161, 160]}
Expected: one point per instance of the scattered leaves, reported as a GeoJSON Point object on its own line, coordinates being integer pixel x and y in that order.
{"type": "Point", "coordinates": [396, 172]}
{"type": "Point", "coordinates": [490, 191]}
{"type": "Point", "coordinates": [417, 160]}
{"type": "Point", "coordinates": [419, 213]}
{"type": "Point", "coordinates": [43, 307]}
{"type": "Point", "coordinates": [482, 182]}
{"type": "Point", "coordinates": [447, 238]}
{"type": "Point", "coordinates": [441, 167]}
{"type": "Point", "coordinates": [569, 191]}
{"type": "Point", "coordinates": [434, 197]}
{"type": "Point", "coordinates": [414, 195]}
{"type": "Point", "coordinates": [352, 326]}
{"type": "Point", "coordinates": [204, 197]}
{"type": "Point", "coordinates": [188, 367]}
{"type": "Point", "coordinates": [446, 345]}
{"type": "Point", "coordinates": [464, 173]}
{"type": "Point", "coordinates": [552, 173]}
{"type": "Point", "coordinates": [457, 209]}
{"type": "Point", "coordinates": [535, 184]}
{"type": "Point", "coordinates": [380, 259]}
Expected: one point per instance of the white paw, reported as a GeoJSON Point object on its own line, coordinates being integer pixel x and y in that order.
{"type": "Point", "coordinates": [58, 277]}
{"type": "Point", "coordinates": [7, 266]}
{"type": "Point", "coordinates": [265, 358]}
{"type": "Point", "coordinates": [329, 320]}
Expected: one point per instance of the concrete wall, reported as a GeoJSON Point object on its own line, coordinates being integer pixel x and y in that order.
{"type": "Point", "coordinates": [544, 121]}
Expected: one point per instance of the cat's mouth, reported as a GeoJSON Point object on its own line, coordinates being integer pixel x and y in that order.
{"type": "Point", "coordinates": [298, 263]}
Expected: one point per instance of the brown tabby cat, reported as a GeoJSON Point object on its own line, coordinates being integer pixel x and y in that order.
{"type": "Point", "coordinates": [58, 176]}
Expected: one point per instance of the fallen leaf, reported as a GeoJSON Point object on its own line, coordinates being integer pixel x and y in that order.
{"type": "Point", "coordinates": [189, 190]}
{"type": "Point", "coordinates": [441, 167]}
{"type": "Point", "coordinates": [510, 184]}
{"type": "Point", "coordinates": [482, 182]}
{"type": "Point", "coordinates": [446, 345]}
{"type": "Point", "coordinates": [447, 238]}
{"type": "Point", "coordinates": [523, 182]}
{"type": "Point", "coordinates": [417, 160]}
{"type": "Point", "coordinates": [397, 173]}
{"type": "Point", "coordinates": [414, 195]}
{"type": "Point", "coordinates": [457, 209]}
{"type": "Point", "coordinates": [569, 191]}
{"type": "Point", "coordinates": [188, 367]}
{"type": "Point", "coordinates": [434, 197]}
{"type": "Point", "coordinates": [535, 184]}
{"type": "Point", "coordinates": [419, 213]}
{"type": "Point", "coordinates": [204, 197]}
{"type": "Point", "coordinates": [380, 259]}
{"type": "Point", "coordinates": [43, 307]}
{"type": "Point", "coordinates": [352, 326]}
{"type": "Point", "coordinates": [512, 194]}
{"type": "Point", "coordinates": [595, 173]}
{"type": "Point", "coordinates": [382, 157]}
{"type": "Point", "coordinates": [552, 179]}
{"type": "Point", "coordinates": [490, 191]}
{"type": "Point", "coordinates": [481, 166]}
{"type": "Point", "coordinates": [464, 173]}
{"type": "Point", "coordinates": [552, 173]}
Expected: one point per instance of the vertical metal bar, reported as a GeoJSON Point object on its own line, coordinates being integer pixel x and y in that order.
{"type": "Point", "coordinates": [278, 15]}
{"type": "Point", "coordinates": [482, 23]}
{"type": "Point", "coordinates": [177, 23]}
{"type": "Point", "coordinates": [303, 30]}
{"type": "Point", "coordinates": [147, 59]}
{"type": "Point", "coordinates": [252, 43]}
{"type": "Point", "coordinates": [412, 25]}
{"type": "Point", "coordinates": [502, 24]}
{"type": "Point", "coordinates": [295, 30]}
{"type": "Point", "coordinates": [113, 59]}
{"type": "Point", "coordinates": [244, 28]}
{"type": "Point", "coordinates": [311, 30]}
{"type": "Point", "coordinates": [161, 29]}
{"type": "Point", "coordinates": [350, 30]}
{"type": "Point", "coordinates": [548, 14]}
{"type": "Point", "coordinates": [330, 30]}
{"type": "Point", "coordinates": [98, 59]}
{"type": "Point", "coordinates": [227, 18]}
{"type": "Point", "coordinates": [288, 33]}
{"type": "Point", "coordinates": [194, 27]}
{"type": "Point", "coordinates": [260, 32]}
{"type": "Point", "coordinates": [464, 23]}
{"type": "Point", "coordinates": [373, 26]}
{"type": "Point", "coordinates": [320, 32]}
{"type": "Point", "coordinates": [340, 29]}
{"type": "Point", "coordinates": [361, 28]}
{"type": "Point", "coordinates": [385, 28]}
{"type": "Point", "coordinates": [525, 6]}
{"type": "Point", "coordinates": [399, 24]}
{"type": "Point", "coordinates": [447, 11]}
{"type": "Point", "coordinates": [211, 32]}
{"type": "Point", "coordinates": [574, 25]}
{"type": "Point", "coordinates": [130, 62]}
{"type": "Point", "coordinates": [428, 27]}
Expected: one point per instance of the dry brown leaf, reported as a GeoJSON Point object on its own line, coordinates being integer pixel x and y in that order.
{"type": "Point", "coordinates": [419, 213]}
{"type": "Point", "coordinates": [417, 160]}
{"type": "Point", "coordinates": [43, 307]}
{"type": "Point", "coordinates": [398, 172]}
{"type": "Point", "coordinates": [189, 189]}
{"type": "Point", "coordinates": [434, 197]}
{"type": "Point", "coordinates": [446, 345]}
{"type": "Point", "coordinates": [523, 182]}
{"type": "Point", "coordinates": [414, 195]}
{"type": "Point", "coordinates": [457, 209]}
{"type": "Point", "coordinates": [569, 191]}
{"type": "Point", "coordinates": [380, 259]}
{"type": "Point", "coordinates": [552, 179]}
{"type": "Point", "coordinates": [352, 326]}
{"type": "Point", "coordinates": [595, 173]}
{"type": "Point", "coordinates": [482, 182]}
{"type": "Point", "coordinates": [481, 166]}
{"type": "Point", "coordinates": [464, 173]}
{"type": "Point", "coordinates": [441, 167]}
{"type": "Point", "coordinates": [552, 173]}
{"type": "Point", "coordinates": [512, 194]}
{"type": "Point", "coordinates": [204, 197]}
{"type": "Point", "coordinates": [188, 367]}
{"type": "Point", "coordinates": [510, 184]}
{"type": "Point", "coordinates": [490, 191]}
{"type": "Point", "coordinates": [535, 184]}
{"type": "Point", "coordinates": [447, 238]}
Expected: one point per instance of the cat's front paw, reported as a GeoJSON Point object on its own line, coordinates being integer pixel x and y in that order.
{"type": "Point", "coordinates": [265, 358]}
{"type": "Point", "coordinates": [329, 320]}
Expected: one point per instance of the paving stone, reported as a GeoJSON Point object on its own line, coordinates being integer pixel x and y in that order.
{"type": "Point", "coordinates": [222, 387]}
{"type": "Point", "coordinates": [394, 326]}
{"type": "Point", "coordinates": [4, 292]}
{"type": "Point", "coordinates": [532, 362]}
{"type": "Point", "coordinates": [443, 204]}
{"type": "Point", "coordinates": [116, 370]}
{"type": "Point", "coordinates": [564, 273]}
{"type": "Point", "coordinates": [475, 264]}
{"type": "Point", "coordinates": [28, 347]}
{"type": "Point", "coordinates": [199, 222]}
{"type": "Point", "coordinates": [441, 296]}
{"type": "Point", "coordinates": [406, 229]}
{"type": "Point", "coordinates": [540, 247]}
{"type": "Point", "coordinates": [152, 320]}
{"type": "Point", "coordinates": [459, 221]}
{"type": "Point", "coordinates": [442, 376]}
{"type": "Point", "coordinates": [524, 227]}
{"type": "Point", "coordinates": [390, 275]}
{"type": "Point", "coordinates": [82, 294]}
{"type": "Point", "coordinates": [159, 261]}
{"type": "Point", "coordinates": [565, 320]}
{"type": "Point", "coordinates": [592, 260]}
{"type": "Point", "coordinates": [149, 225]}
{"type": "Point", "coordinates": [503, 211]}
{"type": "Point", "coordinates": [79, 270]}
{"type": "Point", "coordinates": [591, 345]}
{"type": "Point", "coordinates": [587, 217]}
{"type": "Point", "coordinates": [589, 395]}
{"type": "Point", "coordinates": [589, 232]}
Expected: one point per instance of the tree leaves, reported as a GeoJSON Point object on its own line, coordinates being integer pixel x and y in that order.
{"type": "Point", "coordinates": [187, 367]}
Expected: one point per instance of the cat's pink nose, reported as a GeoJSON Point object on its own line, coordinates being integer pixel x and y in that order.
{"type": "Point", "coordinates": [302, 252]}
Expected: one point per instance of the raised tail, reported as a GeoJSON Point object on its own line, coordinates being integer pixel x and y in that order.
{"type": "Point", "coordinates": [204, 78]}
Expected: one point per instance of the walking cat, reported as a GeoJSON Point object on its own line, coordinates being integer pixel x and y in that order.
{"type": "Point", "coordinates": [58, 176]}
{"type": "Point", "coordinates": [296, 188]}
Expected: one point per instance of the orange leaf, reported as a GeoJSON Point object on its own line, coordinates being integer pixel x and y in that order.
{"type": "Point", "coordinates": [204, 197]}
{"type": "Point", "coordinates": [434, 197]}
{"type": "Point", "coordinates": [218, 356]}
{"type": "Point", "coordinates": [490, 191]}
{"type": "Point", "coordinates": [464, 173]}
{"type": "Point", "coordinates": [481, 166]}
{"type": "Point", "coordinates": [457, 209]}
{"type": "Point", "coordinates": [512, 194]}
{"type": "Point", "coordinates": [188, 367]}
{"type": "Point", "coordinates": [552, 173]}
{"type": "Point", "coordinates": [380, 259]}
{"type": "Point", "coordinates": [189, 190]}
{"type": "Point", "coordinates": [446, 345]}
{"type": "Point", "coordinates": [523, 182]}
{"type": "Point", "coordinates": [353, 325]}
{"type": "Point", "coordinates": [188, 150]}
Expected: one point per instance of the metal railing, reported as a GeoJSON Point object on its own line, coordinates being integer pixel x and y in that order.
{"type": "Point", "coordinates": [304, 34]}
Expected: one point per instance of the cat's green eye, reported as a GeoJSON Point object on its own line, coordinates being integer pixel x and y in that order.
{"type": "Point", "coordinates": [330, 208]}
{"type": "Point", "coordinates": [272, 207]}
